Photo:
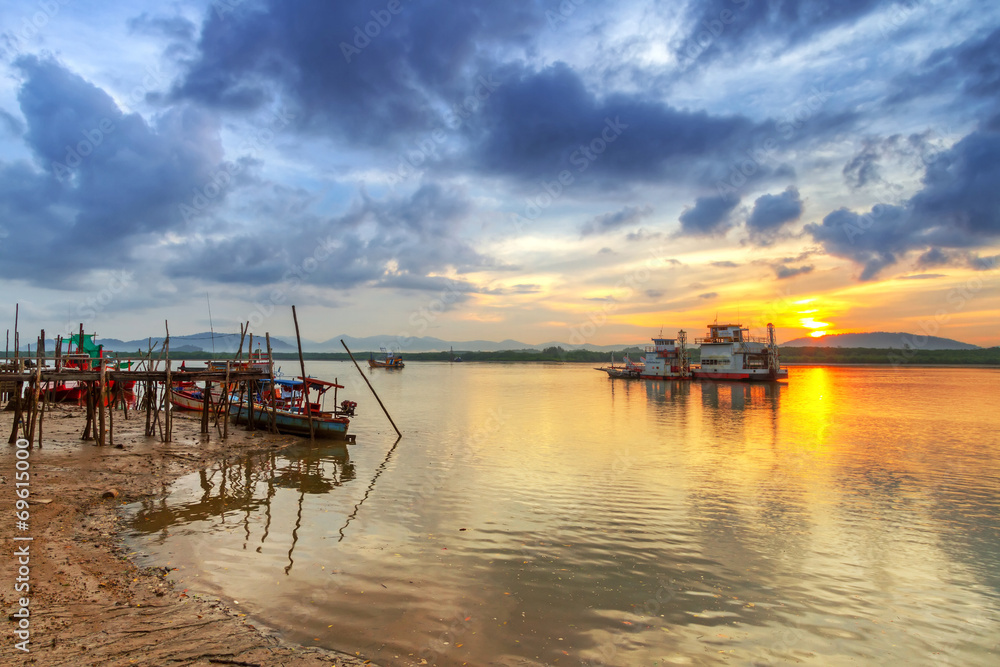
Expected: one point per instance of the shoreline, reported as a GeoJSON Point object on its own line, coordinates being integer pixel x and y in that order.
{"type": "Point", "coordinates": [90, 603]}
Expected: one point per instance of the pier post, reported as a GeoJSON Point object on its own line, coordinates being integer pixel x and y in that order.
{"type": "Point", "coordinates": [305, 386]}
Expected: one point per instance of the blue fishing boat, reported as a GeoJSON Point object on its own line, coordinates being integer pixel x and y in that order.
{"type": "Point", "coordinates": [292, 406]}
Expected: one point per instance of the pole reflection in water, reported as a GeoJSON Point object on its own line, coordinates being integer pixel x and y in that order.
{"type": "Point", "coordinates": [247, 487]}
{"type": "Point", "coordinates": [546, 514]}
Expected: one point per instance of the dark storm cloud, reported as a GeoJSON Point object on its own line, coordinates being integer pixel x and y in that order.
{"type": "Point", "coordinates": [957, 207]}
{"type": "Point", "coordinates": [720, 28]}
{"type": "Point", "coordinates": [972, 67]}
{"type": "Point", "coordinates": [395, 242]}
{"type": "Point", "coordinates": [101, 179]}
{"type": "Point", "coordinates": [708, 216]}
{"type": "Point", "coordinates": [771, 212]}
{"type": "Point", "coordinates": [609, 222]}
{"type": "Point", "coordinates": [356, 70]}
{"type": "Point", "coordinates": [540, 122]}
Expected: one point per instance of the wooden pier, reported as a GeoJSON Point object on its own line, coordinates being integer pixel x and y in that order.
{"type": "Point", "coordinates": [107, 385]}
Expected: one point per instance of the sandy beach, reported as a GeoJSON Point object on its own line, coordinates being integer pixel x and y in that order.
{"type": "Point", "coordinates": [89, 603]}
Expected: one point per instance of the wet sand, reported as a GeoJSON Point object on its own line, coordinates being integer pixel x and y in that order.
{"type": "Point", "coordinates": [89, 603]}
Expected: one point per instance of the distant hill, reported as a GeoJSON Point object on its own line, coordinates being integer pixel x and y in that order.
{"type": "Point", "coordinates": [882, 340]}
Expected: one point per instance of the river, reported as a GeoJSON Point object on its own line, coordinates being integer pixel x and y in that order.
{"type": "Point", "coordinates": [544, 514]}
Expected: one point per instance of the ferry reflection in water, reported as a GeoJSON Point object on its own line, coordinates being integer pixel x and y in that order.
{"type": "Point", "coordinates": [544, 514]}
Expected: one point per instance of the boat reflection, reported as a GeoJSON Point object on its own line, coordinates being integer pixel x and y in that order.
{"type": "Point", "coordinates": [243, 491]}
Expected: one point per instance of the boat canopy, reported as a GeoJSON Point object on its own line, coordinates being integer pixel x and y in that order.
{"type": "Point", "coordinates": [321, 385]}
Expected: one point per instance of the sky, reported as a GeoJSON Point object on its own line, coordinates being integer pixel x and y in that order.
{"type": "Point", "coordinates": [577, 171]}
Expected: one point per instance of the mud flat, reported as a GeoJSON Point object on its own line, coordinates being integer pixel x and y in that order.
{"type": "Point", "coordinates": [89, 603]}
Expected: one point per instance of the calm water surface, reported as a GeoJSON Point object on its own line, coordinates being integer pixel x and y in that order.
{"type": "Point", "coordinates": [542, 514]}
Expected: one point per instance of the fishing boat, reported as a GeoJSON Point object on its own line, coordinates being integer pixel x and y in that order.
{"type": "Point", "coordinates": [628, 369]}
{"type": "Point", "coordinates": [293, 408]}
{"type": "Point", "coordinates": [729, 352]}
{"type": "Point", "coordinates": [83, 354]}
{"type": "Point", "coordinates": [388, 360]}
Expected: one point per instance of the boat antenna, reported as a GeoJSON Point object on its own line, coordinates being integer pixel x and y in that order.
{"type": "Point", "coordinates": [211, 327]}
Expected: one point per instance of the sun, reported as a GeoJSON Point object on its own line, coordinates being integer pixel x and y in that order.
{"type": "Point", "coordinates": [818, 334]}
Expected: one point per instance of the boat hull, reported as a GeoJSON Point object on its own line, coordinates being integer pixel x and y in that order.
{"type": "Point", "coordinates": [743, 376]}
{"type": "Point", "coordinates": [375, 363]}
{"type": "Point", "coordinates": [324, 427]}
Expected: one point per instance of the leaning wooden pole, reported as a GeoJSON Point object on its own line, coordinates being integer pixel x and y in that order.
{"type": "Point", "coordinates": [305, 385]}
{"type": "Point", "coordinates": [381, 405]}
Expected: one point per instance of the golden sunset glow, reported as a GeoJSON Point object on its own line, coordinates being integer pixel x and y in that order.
{"type": "Point", "coordinates": [818, 334]}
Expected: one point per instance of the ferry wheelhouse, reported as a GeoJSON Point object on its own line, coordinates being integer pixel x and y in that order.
{"type": "Point", "coordinates": [667, 359]}
{"type": "Point", "coordinates": [729, 352]}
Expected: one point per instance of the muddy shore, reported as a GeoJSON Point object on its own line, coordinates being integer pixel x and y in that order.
{"type": "Point", "coordinates": [91, 605]}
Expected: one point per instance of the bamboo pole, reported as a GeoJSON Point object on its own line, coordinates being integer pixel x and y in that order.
{"type": "Point", "coordinates": [18, 386]}
{"type": "Point", "coordinates": [205, 400]}
{"type": "Point", "coordinates": [168, 425]}
{"type": "Point", "coordinates": [225, 402]}
{"type": "Point", "coordinates": [100, 404]}
{"type": "Point", "coordinates": [371, 387]}
{"type": "Point", "coordinates": [44, 395]}
{"type": "Point", "coordinates": [270, 375]}
{"type": "Point", "coordinates": [305, 385]}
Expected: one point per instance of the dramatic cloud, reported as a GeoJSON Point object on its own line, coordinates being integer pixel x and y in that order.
{"type": "Point", "coordinates": [708, 217]}
{"type": "Point", "coordinates": [390, 243]}
{"type": "Point", "coordinates": [958, 207]}
{"type": "Point", "coordinates": [782, 271]}
{"type": "Point", "coordinates": [609, 222]}
{"type": "Point", "coordinates": [102, 179]}
{"type": "Point", "coordinates": [864, 168]}
{"type": "Point", "coordinates": [771, 212]}
{"type": "Point", "coordinates": [718, 28]}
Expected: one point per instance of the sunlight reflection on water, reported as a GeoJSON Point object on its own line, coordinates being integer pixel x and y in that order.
{"type": "Point", "coordinates": [544, 514]}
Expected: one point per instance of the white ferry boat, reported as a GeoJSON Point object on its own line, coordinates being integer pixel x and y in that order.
{"type": "Point", "coordinates": [730, 353]}
{"type": "Point", "coordinates": [667, 359]}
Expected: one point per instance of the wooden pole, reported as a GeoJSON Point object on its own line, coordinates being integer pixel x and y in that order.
{"type": "Point", "coordinates": [225, 405]}
{"type": "Point", "coordinates": [100, 404]}
{"type": "Point", "coordinates": [44, 395]}
{"type": "Point", "coordinates": [370, 387]}
{"type": "Point", "coordinates": [18, 386]}
{"type": "Point", "coordinates": [205, 399]}
{"type": "Point", "coordinates": [270, 375]}
{"type": "Point", "coordinates": [305, 386]}
{"type": "Point", "coordinates": [89, 393]}
{"type": "Point", "coordinates": [169, 393]}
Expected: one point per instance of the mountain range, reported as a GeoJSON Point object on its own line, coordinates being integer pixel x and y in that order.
{"type": "Point", "coordinates": [228, 343]}
{"type": "Point", "coordinates": [882, 340]}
